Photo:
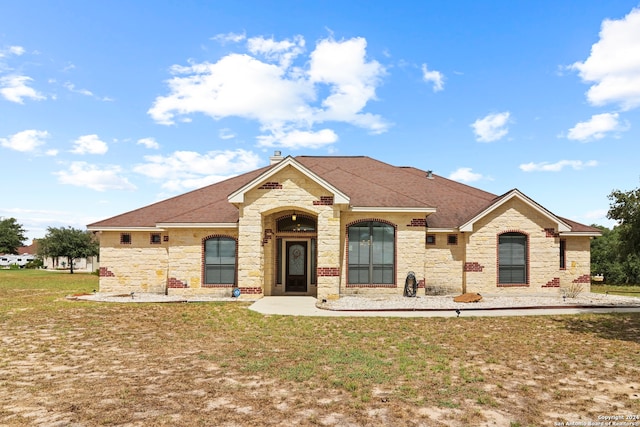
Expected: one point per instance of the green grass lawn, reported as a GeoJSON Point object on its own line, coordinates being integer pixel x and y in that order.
{"type": "Point", "coordinates": [68, 362]}
{"type": "Point", "coordinates": [626, 290]}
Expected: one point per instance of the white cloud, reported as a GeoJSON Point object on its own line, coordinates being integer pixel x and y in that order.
{"type": "Point", "coordinates": [280, 96]}
{"type": "Point", "coordinates": [150, 143]}
{"type": "Point", "coordinates": [25, 141]}
{"type": "Point", "coordinates": [72, 88]}
{"type": "Point", "coordinates": [436, 77]}
{"type": "Point", "coordinates": [299, 139]}
{"type": "Point", "coordinates": [352, 81]}
{"type": "Point", "coordinates": [597, 127]}
{"type": "Point", "coordinates": [282, 52]}
{"type": "Point", "coordinates": [82, 174]}
{"type": "Point", "coordinates": [185, 170]}
{"type": "Point", "coordinates": [12, 50]}
{"type": "Point", "coordinates": [89, 144]}
{"type": "Point", "coordinates": [15, 88]}
{"type": "Point", "coordinates": [557, 166]}
{"type": "Point", "coordinates": [226, 133]}
{"type": "Point", "coordinates": [229, 37]}
{"type": "Point", "coordinates": [614, 63]}
{"type": "Point", "coordinates": [491, 127]}
{"type": "Point", "coordinates": [465, 175]}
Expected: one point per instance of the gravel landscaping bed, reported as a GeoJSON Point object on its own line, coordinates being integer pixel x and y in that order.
{"type": "Point", "coordinates": [393, 302]}
{"type": "Point", "coordinates": [422, 302]}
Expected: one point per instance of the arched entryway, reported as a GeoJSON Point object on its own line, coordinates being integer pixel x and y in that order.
{"type": "Point", "coordinates": [295, 254]}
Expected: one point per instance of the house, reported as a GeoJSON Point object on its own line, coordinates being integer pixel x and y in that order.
{"type": "Point", "coordinates": [86, 264]}
{"type": "Point", "coordinates": [21, 260]}
{"type": "Point", "coordinates": [336, 226]}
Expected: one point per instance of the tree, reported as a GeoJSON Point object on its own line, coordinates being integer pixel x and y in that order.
{"type": "Point", "coordinates": [11, 236]}
{"type": "Point", "coordinates": [625, 208]}
{"type": "Point", "coordinates": [69, 243]}
{"type": "Point", "coordinates": [608, 259]}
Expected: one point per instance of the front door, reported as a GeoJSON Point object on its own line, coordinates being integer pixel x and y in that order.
{"type": "Point", "coordinates": [296, 267]}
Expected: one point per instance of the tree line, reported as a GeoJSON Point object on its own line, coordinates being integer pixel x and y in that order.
{"type": "Point", "coordinates": [63, 242]}
{"type": "Point", "coordinates": [616, 255]}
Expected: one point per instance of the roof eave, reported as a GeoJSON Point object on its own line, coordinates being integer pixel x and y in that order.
{"type": "Point", "coordinates": [562, 226]}
{"type": "Point", "coordinates": [580, 233]}
{"type": "Point", "coordinates": [338, 196]}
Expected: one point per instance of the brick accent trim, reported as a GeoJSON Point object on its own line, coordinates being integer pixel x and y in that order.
{"type": "Point", "coordinates": [270, 186]}
{"type": "Point", "coordinates": [551, 232]}
{"type": "Point", "coordinates": [421, 284]}
{"type": "Point", "coordinates": [251, 291]}
{"type": "Point", "coordinates": [553, 283]}
{"type": "Point", "coordinates": [418, 222]}
{"type": "Point", "coordinates": [105, 272]}
{"type": "Point", "coordinates": [174, 283]}
{"type": "Point", "coordinates": [473, 267]}
{"type": "Point", "coordinates": [324, 201]}
{"type": "Point", "coordinates": [328, 271]}
{"type": "Point", "coordinates": [585, 278]}
{"type": "Point", "coordinates": [268, 234]}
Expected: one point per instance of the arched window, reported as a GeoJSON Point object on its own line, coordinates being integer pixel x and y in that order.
{"type": "Point", "coordinates": [301, 223]}
{"type": "Point", "coordinates": [512, 259]}
{"type": "Point", "coordinates": [220, 261]}
{"type": "Point", "coordinates": [371, 253]}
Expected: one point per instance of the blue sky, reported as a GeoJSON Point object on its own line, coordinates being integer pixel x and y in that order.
{"type": "Point", "coordinates": [109, 106]}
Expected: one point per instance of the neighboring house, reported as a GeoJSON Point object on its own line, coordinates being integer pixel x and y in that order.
{"type": "Point", "coordinates": [88, 264]}
{"type": "Point", "coordinates": [21, 261]}
{"type": "Point", "coordinates": [335, 226]}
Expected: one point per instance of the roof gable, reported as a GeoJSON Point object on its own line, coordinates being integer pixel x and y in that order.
{"type": "Point", "coordinates": [562, 226]}
{"type": "Point", "coordinates": [238, 196]}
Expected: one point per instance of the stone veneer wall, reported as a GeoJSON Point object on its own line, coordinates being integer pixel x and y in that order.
{"type": "Point", "coordinates": [136, 267]}
{"type": "Point", "coordinates": [578, 263]}
{"type": "Point", "coordinates": [444, 264]}
{"type": "Point", "coordinates": [186, 262]}
{"type": "Point", "coordinates": [288, 191]}
{"type": "Point", "coordinates": [544, 275]}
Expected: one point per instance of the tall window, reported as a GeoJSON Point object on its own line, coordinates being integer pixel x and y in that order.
{"type": "Point", "coordinates": [563, 254]}
{"type": "Point", "coordinates": [512, 258]}
{"type": "Point", "coordinates": [371, 253]}
{"type": "Point", "coordinates": [220, 261]}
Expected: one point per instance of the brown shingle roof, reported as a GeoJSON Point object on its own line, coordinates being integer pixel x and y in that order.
{"type": "Point", "coordinates": [366, 181]}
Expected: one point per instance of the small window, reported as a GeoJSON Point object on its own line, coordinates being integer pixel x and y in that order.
{"type": "Point", "coordinates": [563, 254]}
{"type": "Point", "coordinates": [155, 239]}
{"type": "Point", "coordinates": [125, 239]}
{"type": "Point", "coordinates": [431, 239]}
{"type": "Point", "coordinates": [452, 239]}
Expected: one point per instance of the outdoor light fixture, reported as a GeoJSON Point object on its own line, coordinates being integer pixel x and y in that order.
{"type": "Point", "coordinates": [293, 217]}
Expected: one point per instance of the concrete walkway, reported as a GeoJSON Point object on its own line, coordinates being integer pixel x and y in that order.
{"type": "Point", "coordinates": [306, 306]}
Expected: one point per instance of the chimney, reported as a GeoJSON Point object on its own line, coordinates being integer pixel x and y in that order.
{"type": "Point", "coordinates": [276, 158]}
{"type": "Point", "coordinates": [430, 174]}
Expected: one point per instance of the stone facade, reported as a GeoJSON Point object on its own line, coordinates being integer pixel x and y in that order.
{"type": "Point", "coordinates": [444, 261]}
{"type": "Point", "coordinates": [544, 273]}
